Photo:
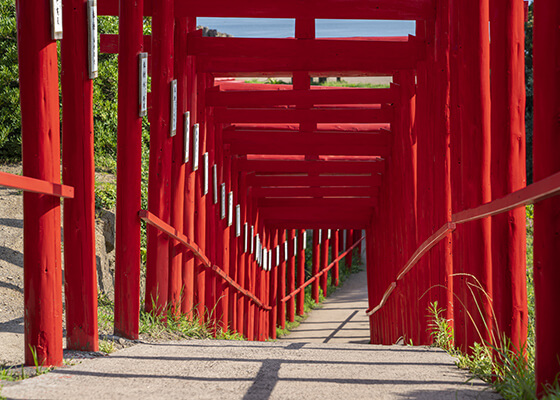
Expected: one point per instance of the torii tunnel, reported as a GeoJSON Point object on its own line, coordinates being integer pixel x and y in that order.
{"type": "Point", "coordinates": [432, 168]}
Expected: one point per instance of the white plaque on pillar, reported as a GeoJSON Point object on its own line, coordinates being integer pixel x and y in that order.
{"type": "Point", "coordinates": [196, 144]}
{"type": "Point", "coordinates": [328, 234]}
{"type": "Point", "coordinates": [230, 209]}
{"type": "Point", "coordinates": [257, 244]}
{"type": "Point", "coordinates": [56, 19]}
{"type": "Point", "coordinates": [205, 177]}
{"type": "Point", "coordinates": [304, 240]}
{"type": "Point", "coordinates": [93, 51]}
{"type": "Point", "coordinates": [215, 181]}
{"type": "Point", "coordinates": [277, 255]}
{"type": "Point", "coordinates": [143, 84]}
{"type": "Point", "coordinates": [270, 260]}
{"type": "Point", "coordinates": [173, 109]}
{"type": "Point", "coordinates": [295, 245]}
{"type": "Point", "coordinates": [320, 233]}
{"type": "Point", "coordinates": [223, 205]}
{"type": "Point", "coordinates": [237, 220]}
{"type": "Point", "coordinates": [286, 250]}
{"type": "Point", "coordinates": [252, 245]}
{"type": "Point", "coordinates": [246, 236]}
{"type": "Point", "coordinates": [344, 239]}
{"type": "Point", "coordinates": [186, 136]}
{"type": "Point", "coordinates": [265, 259]}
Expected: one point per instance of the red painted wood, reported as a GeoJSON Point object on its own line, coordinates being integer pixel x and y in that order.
{"type": "Point", "coordinates": [334, 256]}
{"type": "Point", "coordinates": [109, 43]}
{"type": "Point", "coordinates": [475, 135]}
{"type": "Point", "coordinates": [222, 308]}
{"type": "Point", "coordinates": [187, 274]}
{"type": "Point", "coordinates": [344, 206]}
{"type": "Point", "coordinates": [234, 247]}
{"type": "Point", "coordinates": [281, 273]}
{"type": "Point", "coordinates": [508, 167]}
{"type": "Point", "coordinates": [315, 264]}
{"type": "Point", "coordinates": [318, 223]}
{"type": "Point", "coordinates": [269, 98]}
{"type": "Point", "coordinates": [316, 115]}
{"type": "Point", "coordinates": [291, 274]}
{"type": "Point", "coordinates": [546, 62]}
{"type": "Point", "coordinates": [337, 9]}
{"type": "Point", "coordinates": [316, 144]}
{"type": "Point", "coordinates": [312, 166]}
{"type": "Point", "coordinates": [242, 267]}
{"type": "Point", "coordinates": [35, 185]}
{"type": "Point", "coordinates": [157, 264]}
{"type": "Point", "coordinates": [38, 77]}
{"type": "Point", "coordinates": [304, 180]}
{"type": "Point", "coordinates": [300, 299]}
{"type": "Point", "coordinates": [78, 171]}
{"type": "Point", "coordinates": [274, 283]}
{"type": "Point", "coordinates": [316, 192]}
{"type": "Point", "coordinates": [324, 261]}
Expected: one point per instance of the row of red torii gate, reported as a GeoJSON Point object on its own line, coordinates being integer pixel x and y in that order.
{"type": "Point", "coordinates": [431, 168]}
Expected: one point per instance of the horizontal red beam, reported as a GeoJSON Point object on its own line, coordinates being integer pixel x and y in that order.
{"type": "Point", "coordinates": [269, 98]}
{"type": "Point", "coordinates": [324, 9]}
{"type": "Point", "coordinates": [308, 206]}
{"type": "Point", "coordinates": [316, 192]}
{"type": "Point", "coordinates": [302, 224]}
{"type": "Point", "coordinates": [324, 271]}
{"type": "Point", "coordinates": [299, 180]}
{"type": "Point", "coordinates": [162, 226]}
{"type": "Point", "coordinates": [322, 128]}
{"type": "Point", "coordinates": [311, 166]}
{"type": "Point", "coordinates": [308, 144]}
{"type": "Point", "coordinates": [397, 51]}
{"type": "Point", "coordinates": [323, 65]}
{"type": "Point", "coordinates": [33, 185]}
{"type": "Point", "coordinates": [316, 115]}
{"type": "Point", "coordinates": [109, 43]}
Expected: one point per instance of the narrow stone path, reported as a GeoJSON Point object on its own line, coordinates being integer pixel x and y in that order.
{"type": "Point", "coordinates": [327, 357]}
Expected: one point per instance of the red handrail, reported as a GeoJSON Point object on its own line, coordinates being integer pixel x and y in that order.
{"type": "Point", "coordinates": [324, 271]}
{"type": "Point", "coordinates": [33, 185]}
{"type": "Point", "coordinates": [153, 220]}
{"type": "Point", "coordinates": [538, 191]}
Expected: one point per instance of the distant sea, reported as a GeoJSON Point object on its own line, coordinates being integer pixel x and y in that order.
{"type": "Point", "coordinates": [280, 28]}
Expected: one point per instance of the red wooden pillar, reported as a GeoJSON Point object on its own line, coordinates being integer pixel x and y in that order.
{"type": "Point", "coordinates": [249, 327]}
{"type": "Point", "coordinates": [157, 268]}
{"type": "Point", "coordinates": [129, 173]}
{"type": "Point", "coordinates": [300, 297]}
{"type": "Point", "coordinates": [546, 141]}
{"type": "Point", "coordinates": [373, 293]}
{"type": "Point", "coordinates": [281, 280]}
{"type": "Point", "coordinates": [188, 270]}
{"type": "Point", "coordinates": [316, 264]}
{"type": "Point", "coordinates": [475, 237]}
{"type": "Point", "coordinates": [38, 77]}
{"type": "Point", "coordinates": [233, 263]}
{"type": "Point", "coordinates": [292, 249]}
{"type": "Point", "coordinates": [80, 271]}
{"type": "Point", "coordinates": [178, 169]}
{"type": "Point", "coordinates": [349, 243]}
{"type": "Point", "coordinates": [324, 261]}
{"type": "Point", "coordinates": [200, 205]}
{"type": "Point", "coordinates": [273, 288]}
{"type": "Point", "coordinates": [508, 167]}
{"type": "Point", "coordinates": [334, 256]}
{"type": "Point", "coordinates": [222, 288]}
{"type": "Point", "coordinates": [241, 266]}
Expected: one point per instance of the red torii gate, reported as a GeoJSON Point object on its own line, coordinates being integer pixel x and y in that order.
{"type": "Point", "coordinates": [433, 152]}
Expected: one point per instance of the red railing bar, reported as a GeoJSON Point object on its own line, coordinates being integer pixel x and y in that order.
{"type": "Point", "coordinates": [153, 220]}
{"type": "Point", "coordinates": [324, 271]}
{"type": "Point", "coordinates": [33, 185]}
{"type": "Point", "coordinates": [541, 190]}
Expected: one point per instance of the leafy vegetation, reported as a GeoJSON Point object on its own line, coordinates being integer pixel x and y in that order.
{"type": "Point", "coordinates": [509, 370]}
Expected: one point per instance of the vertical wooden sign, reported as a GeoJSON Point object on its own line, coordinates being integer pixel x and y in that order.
{"type": "Point", "coordinates": [223, 205]}
{"type": "Point", "coordinates": [143, 84]}
{"type": "Point", "coordinates": [237, 220]}
{"type": "Point", "coordinates": [269, 260]}
{"type": "Point", "coordinates": [205, 171]}
{"type": "Point", "coordinates": [344, 239]}
{"type": "Point", "coordinates": [173, 116]}
{"type": "Point", "coordinates": [304, 240]}
{"type": "Point", "coordinates": [295, 245]}
{"type": "Point", "coordinates": [277, 255]}
{"type": "Point", "coordinates": [215, 183]}
{"type": "Point", "coordinates": [252, 245]}
{"type": "Point", "coordinates": [320, 235]}
{"type": "Point", "coordinates": [196, 144]}
{"type": "Point", "coordinates": [56, 19]}
{"type": "Point", "coordinates": [230, 209]}
{"type": "Point", "coordinates": [246, 241]}
{"type": "Point", "coordinates": [93, 51]}
{"type": "Point", "coordinates": [265, 259]}
{"type": "Point", "coordinates": [286, 250]}
{"type": "Point", "coordinates": [328, 234]}
{"type": "Point", "coordinates": [257, 250]}
{"type": "Point", "coordinates": [186, 135]}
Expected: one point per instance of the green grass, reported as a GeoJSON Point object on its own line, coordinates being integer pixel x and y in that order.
{"type": "Point", "coordinates": [509, 370]}
{"type": "Point", "coordinates": [342, 83]}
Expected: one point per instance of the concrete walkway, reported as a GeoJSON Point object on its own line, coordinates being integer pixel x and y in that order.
{"type": "Point", "coordinates": [326, 358]}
